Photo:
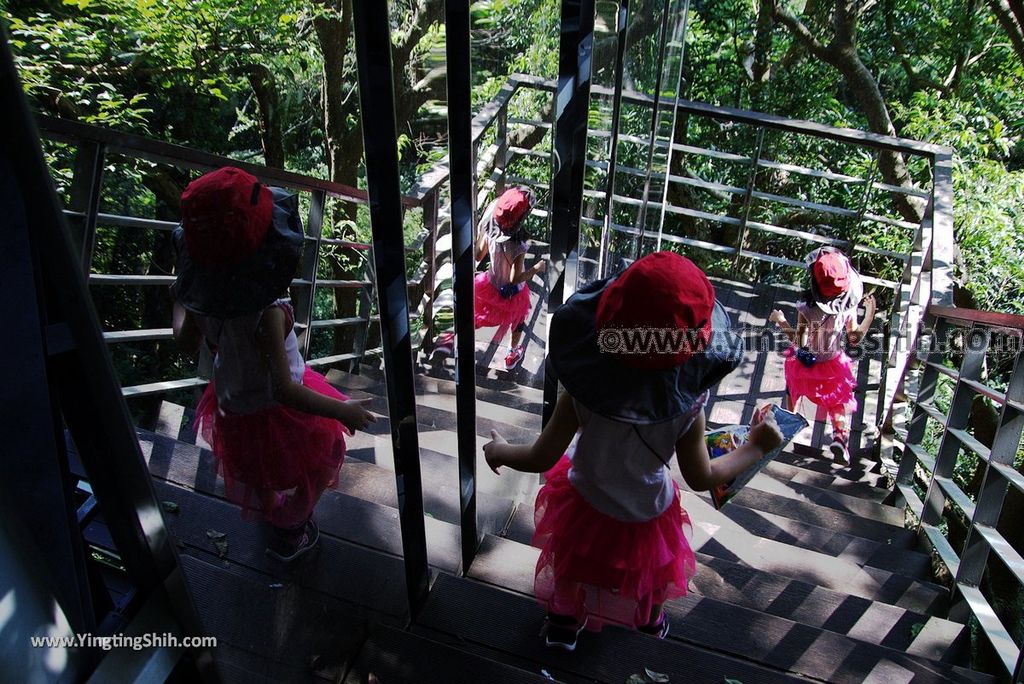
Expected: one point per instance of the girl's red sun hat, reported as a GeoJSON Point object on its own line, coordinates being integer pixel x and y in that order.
{"type": "Point", "coordinates": [225, 215]}
{"type": "Point", "coordinates": [831, 273]}
{"type": "Point", "coordinates": [513, 205]}
{"type": "Point", "coordinates": [662, 291]}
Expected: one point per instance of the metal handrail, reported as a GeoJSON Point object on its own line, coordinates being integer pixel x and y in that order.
{"type": "Point", "coordinates": [935, 472]}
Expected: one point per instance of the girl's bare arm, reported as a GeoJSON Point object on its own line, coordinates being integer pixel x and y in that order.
{"type": "Point", "coordinates": [543, 454]}
{"type": "Point", "coordinates": [522, 274]}
{"type": "Point", "coordinates": [702, 473]}
{"type": "Point", "coordinates": [856, 332]}
{"type": "Point", "coordinates": [270, 339]}
{"type": "Point", "coordinates": [186, 332]}
{"type": "Point", "coordinates": [795, 335]}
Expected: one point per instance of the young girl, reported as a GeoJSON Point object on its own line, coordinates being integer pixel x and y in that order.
{"type": "Point", "coordinates": [816, 366]}
{"type": "Point", "coordinates": [608, 519]}
{"type": "Point", "coordinates": [502, 298]}
{"type": "Point", "coordinates": [275, 426]}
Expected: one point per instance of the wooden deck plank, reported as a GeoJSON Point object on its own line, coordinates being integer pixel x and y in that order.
{"type": "Point", "coordinates": [395, 656]}
{"type": "Point", "coordinates": [504, 563]}
{"type": "Point", "coordinates": [610, 656]}
{"type": "Point", "coordinates": [269, 631]}
{"type": "Point", "coordinates": [336, 569]}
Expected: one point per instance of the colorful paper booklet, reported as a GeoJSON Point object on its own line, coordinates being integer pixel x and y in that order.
{"type": "Point", "coordinates": [725, 439]}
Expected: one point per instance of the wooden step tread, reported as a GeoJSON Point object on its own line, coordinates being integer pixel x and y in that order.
{"type": "Point", "coordinates": [508, 624]}
{"type": "Point", "coordinates": [362, 577]}
{"type": "Point", "coordinates": [707, 623]}
{"type": "Point", "coordinates": [787, 472]}
{"type": "Point", "coordinates": [504, 563]}
{"type": "Point", "coordinates": [191, 467]}
{"type": "Point", "coordinates": [395, 656]}
{"type": "Point", "coordinates": [268, 633]}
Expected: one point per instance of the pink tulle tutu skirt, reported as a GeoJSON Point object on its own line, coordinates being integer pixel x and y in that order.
{"type": "Point", "coordinates": [275, 462]}
{"type": "Point", "coordinates": [596, 567]}
{"type": "Point", "coordinates": [495, 311]}
{"type": "Point", "coordinates": [829, 384]}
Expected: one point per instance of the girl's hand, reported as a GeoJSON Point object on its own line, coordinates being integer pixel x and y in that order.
{"type": "Point", "coordinates": [542, 266]}
{"type": "Point", "coordinates": [766, 434]}
{"type": "Point", "coordinates": [777, 317]}
{"type": "Point", "coordinates": [869, 305]}
{"type": "Point", "coordinates": [492, 451]}
{"type": "Point", "coordinates": [354, 415]}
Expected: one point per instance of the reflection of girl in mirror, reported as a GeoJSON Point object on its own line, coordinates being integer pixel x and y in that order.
{"type": "Point", "coordinates": [502, 298]}
{"type": "Point", "coordinates": [276, 427]}
{"type": "Point", "coordinates": [816, 366]}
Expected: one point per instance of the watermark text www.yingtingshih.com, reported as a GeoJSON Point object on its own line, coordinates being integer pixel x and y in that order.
{"type": "Point", "coordinates": [875, 342]}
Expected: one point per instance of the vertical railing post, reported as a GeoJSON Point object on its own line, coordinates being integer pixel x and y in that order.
{"type": "Point", "coordinates": [975, 345]}
{"type": "Point", "coordinates": [755, 160]}
{"type": "Point", "coordinates": [460, 154]}
{"type": "Point", "coordinates": [431, 207]}
{"type": "Point", "coordinates": [925, 395]}
{"type": "Point", "coordinates": [310, 259]}
{"type": "Point", "coordinates": [380, 139]}
{"type": "Point", "coordinates": [993, 489]}
{"type": "Point", "coordinates": [572, 107]}
{"type": "Point", "coordinates": [84, 199]}
{"type": "Point", "coordinates": [501, 159]}
{"type": "Point", "coordinates": [613, 139]}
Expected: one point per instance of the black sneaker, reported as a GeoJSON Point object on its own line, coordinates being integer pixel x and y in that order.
{"type": "Point", "coordinates": [286, 553]}
{"type": "Point", "coordinates": [840, 452]}
{"type": "Point", "coordinates": [657, 629]}
{"type": "Point", "coordinates": [562, 631]}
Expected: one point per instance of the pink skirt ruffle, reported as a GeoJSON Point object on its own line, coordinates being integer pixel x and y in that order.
{"type": "Point", "coordinates": [829, 384]}
{"type": "Point", "coordinates": [596, 567]}
{"type": "Point", "coordinates": [493, 310]}
{"type": "Point", "coordinates": [275, 462]}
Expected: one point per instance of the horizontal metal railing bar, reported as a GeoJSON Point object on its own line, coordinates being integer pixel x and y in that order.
{"type": "Point", "coordinates": [140, 147]}
{"type": "Point", "coordinates": [956, 495]}
{"type": "Point", "coordinates": [1003, 549]}
{"type": "Point", "coordinates": [846, 135]}
{"type": "Point", "coordinates": [970, 442]}
{"type": "Point", "coordinates": [743, 159]}
{"type": "Point", "coordinates": [933, 412]}
{"type": "Point", "coordinates": [338, 284]}
{"type": "Point", "coordinates": [997, 635]}
{"type": "Point", "coordinates": [1009, 473]}
{"type": "Point", "coordinates": [161, 387]}
{"type": "Point", "coordinates": [115, 336]}
{"type": "Point", "coordinates": [991, 319]}
{"type": "Point", "coordinates": [118, 279]}
{"type": "Point", "coordinates": [341, 358]}
{"type": "Point", "coordinates": [950, 373]}
{"type": "Point", "coordinates": [922, 456]}
{"type": "Point", "coordinates": [339, 242]}
{"type": "Point", "coordinates": [889, 221]}
{"type": "Point", "coordinates": [914, 502]}
{"type": "Point", "coordinates": [337, 322]}
{"type": "Point", "coordinates": [986, 391]}
{"type": "Point", "coordinates": [118, 221]}
{"type": "Point", "coordinates": [942, 547]}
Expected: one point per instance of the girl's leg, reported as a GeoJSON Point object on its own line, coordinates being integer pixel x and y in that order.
{"type": "Point", "coordinates": [657, 622]}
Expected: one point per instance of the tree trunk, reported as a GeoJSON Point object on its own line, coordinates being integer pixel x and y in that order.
{"type": "Point", "coordinates": [842, 54]}
{"type": "Point", "coordinates": [265, 88]}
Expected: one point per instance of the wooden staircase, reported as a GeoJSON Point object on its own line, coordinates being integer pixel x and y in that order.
{"type": "Point", "coordinates": [806, 575]}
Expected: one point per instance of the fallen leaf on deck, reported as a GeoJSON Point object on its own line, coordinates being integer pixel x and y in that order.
{"type": "Point", "coordinates": [547, 675]}
{"type": "Point", "coordinates": [730, 680]}
{"type": "Point", "coordinates": [276, 585]}
{"type": "Point", "coordinates": [636, 679]}
{"type": "Point", "coordinates": [169, 506]}
{"type": "Point", "coordinates": [655, 677]}
{"type": "Point", "coordinates": [220, 541]}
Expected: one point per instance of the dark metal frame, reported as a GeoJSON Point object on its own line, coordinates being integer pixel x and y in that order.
{"type": "Point", "coordinates": [380, 139]}
{"type": "Point", "coordinates": [572, 104]}
{"type": "Point", "coordinates": [967, 565]}
{"type": "Point", "coordinates": [69, 373]}
{"type": "Point", "coordinates": [460, 153]}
